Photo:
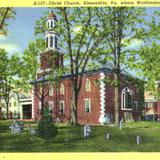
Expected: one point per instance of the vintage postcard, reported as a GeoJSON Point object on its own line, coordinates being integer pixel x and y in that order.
{"type": "Point", "coordinates": [79, 79]}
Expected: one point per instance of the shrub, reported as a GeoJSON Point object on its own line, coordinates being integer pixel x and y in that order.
{"type": "Point", "coordinates": [46, 127]}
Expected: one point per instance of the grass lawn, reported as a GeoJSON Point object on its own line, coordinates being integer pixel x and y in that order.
{"type": "Point", "coordinates": [121, 140]}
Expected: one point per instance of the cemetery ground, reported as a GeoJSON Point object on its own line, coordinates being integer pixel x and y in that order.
{"type": "Point", "coordinates": [70, 139]}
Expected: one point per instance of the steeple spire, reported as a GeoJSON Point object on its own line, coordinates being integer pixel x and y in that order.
{"type": "Point", "coordinates": [50, 35]}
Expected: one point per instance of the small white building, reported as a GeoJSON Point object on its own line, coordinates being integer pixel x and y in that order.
{"type": "Point", "coordinates": [20, 106]}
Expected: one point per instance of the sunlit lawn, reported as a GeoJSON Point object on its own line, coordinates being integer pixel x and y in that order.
{"type": "Point", "coordinates": [71, 139]}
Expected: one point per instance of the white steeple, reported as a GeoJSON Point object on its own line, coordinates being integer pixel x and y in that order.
{"type": "Point", "coordinates": [50, 35]}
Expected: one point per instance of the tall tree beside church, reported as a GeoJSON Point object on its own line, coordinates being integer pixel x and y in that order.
{"type": "Point", "coordinates": [5, 15]}
{"type": "Point", "coordinates": [80, 38]}
{"type": "Point", "coordinates": [148, 65]}
{"type": "Point", "coordinates": [9, 68]}
{"type": "Point", "coordinates": [31, 62]}
{"type": "Point", "coordinates": [121, 27]}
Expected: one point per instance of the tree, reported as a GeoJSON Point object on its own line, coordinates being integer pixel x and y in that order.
{"type": "Point", "coordinates": [150, 68]}
{"type": "Point", "coordinates": [80, 37]}
{"type": "Point", "coordinates": [120, 29]}
{"type": "Point", "coordinates": [9, 68]}
{"type": "Point", "coordinates": [5, 15]}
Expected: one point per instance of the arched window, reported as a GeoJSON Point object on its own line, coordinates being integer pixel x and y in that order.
{"type": "Point", "coordinates": [88, 86]}
{"type": "Point", "coordinates": [47, 42]}
{"type": "Point", "coordinates": [126, 99]}
{"type": "Point", "coordinates": [55, 42]}
{"type": "Point", "coordinates": [51, 91]}
{"type": "Point", "coordinates": [51, 24]}
{"type": "Point", "coordinates": [48, 24]}
{"type": "Point", "coordinates": [51, 41]}
{"type": "Point", "coordinates": [62, 89]}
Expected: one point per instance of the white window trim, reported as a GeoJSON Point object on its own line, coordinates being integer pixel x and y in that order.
{"type": "Point", "coordinates": [50, 104]}
{"type": "Point", "coordinates": [62, 89]}
{"type": "Point", "coordinates": [51, 91]}
{"type": "Point", "coordinates": [87, 88]}
{"type": "Point", "coordinates": [123, 102]}
{"type": "Point", "coordinates": [39, 106]}
{"type": "Point", "coordinates": [87, 99]}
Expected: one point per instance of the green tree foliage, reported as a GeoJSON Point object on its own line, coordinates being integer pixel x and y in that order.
{"type": "Point", "coordinates": [5, 14]}
{"type": "Point", "coordinates": [31, 63]}
{"type": "Point", "coordinates": [150, 68]}
{"type": "Point", "coordinates": [46, 127]}
{"type": "Point", "coordinates": [9, 70]}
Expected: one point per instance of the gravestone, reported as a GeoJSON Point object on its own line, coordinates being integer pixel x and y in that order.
{"type": "Point", "coordinates": [138, 140]}
{"type": "Point", "coordinates": [87, 131]}
{"type": "Point", "coordinates": [31, 130]}
{"type": "Point", "coordinates": [58, 120]}
{"type": "Point", "coordinates": [108, 136]}
{"type": "Point", "coordinates": [15, 127]}
{"type": "Point", "coordinates": [108, 120]}
{"type": "Point", "coordinates": [21, 124]}
{"type": "Point", "coordinates": [121, 124]}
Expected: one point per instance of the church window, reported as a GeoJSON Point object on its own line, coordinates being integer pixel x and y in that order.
{"type": "Point", "coordinates": [87, 105]}
{"type": "Point", "coordinates": [50, 105]}
{"type": "Point", "coordinates": [61, 107]}
{"type": "Point", "coordinates": [126, 99]}
{"type": "Point", "coordinates": [51, 41]}
{"type": "Point", "coordinates": [51, 24]}
{"type": "Point", "coordinates": [47, 42]}
{"type": "Point", "coordinates": [51, 91]}
{"type": "Point", "coordinates": [88, 86]}
{"type": "Point", "coordinates": [55, 42]}
{"type": "Point", "coordinates": [62, 89]}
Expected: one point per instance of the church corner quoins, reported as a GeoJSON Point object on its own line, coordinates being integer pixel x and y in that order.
{"type": "Point", "coordinates": [102, 98]}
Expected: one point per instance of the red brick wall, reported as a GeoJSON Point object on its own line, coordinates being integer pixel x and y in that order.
{"type": "Point", "coordinates": [93, 116]}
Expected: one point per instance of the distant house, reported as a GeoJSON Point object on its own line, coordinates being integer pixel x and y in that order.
{"type": "Point", "coordinates": [95, 101]}
{"type": "Point", "coordinates": [20, 106]}
{"type": "Point", "coordinates": [151, 107]}
{"type": "Point", "coordinates": [13, 108]}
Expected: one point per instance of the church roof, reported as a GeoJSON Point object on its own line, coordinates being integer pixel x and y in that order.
{"type": "Point", "coordinates": [67, 75]}
{"type": "Point", "coordinates": [90, 73]}
{"type": "Point", "coordinates": [51, 15]}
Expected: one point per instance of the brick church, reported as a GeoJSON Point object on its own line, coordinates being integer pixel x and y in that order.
{"type": "Point", "coordinates": [95, 101]}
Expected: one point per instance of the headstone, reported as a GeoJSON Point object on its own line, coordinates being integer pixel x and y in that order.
{"type": "Point", "coordinates": [108, 136]}
{"type": "Point", "coordinates": [21, 124]}
{"type": "Point", "coordinates": [108, 120]}
{"type": "Point", "coordinates": [121, 124]}
{"type": "Point", "coordinates": [66, 140]}
{"type": "Point", "coordinates": [31, 130]}
{"type": "Point", "coordinates": [58, 120]}
{"type": "Point", "coordinates": [138, 140]}
{"type": "Point", "coordinates": [87, 131]}
{"type": "Point", "coordinates": [15, 127]}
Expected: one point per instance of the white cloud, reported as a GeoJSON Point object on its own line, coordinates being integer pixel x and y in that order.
{"type": "Point", "coordinates": [10, 47]}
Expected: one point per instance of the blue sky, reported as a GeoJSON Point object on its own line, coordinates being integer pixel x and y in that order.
{"type": "Point", "coordinates": [21, 29]}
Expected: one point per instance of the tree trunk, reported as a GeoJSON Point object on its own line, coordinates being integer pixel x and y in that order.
{"type": "Point", "coordinates": [73, 119]}
{"type": "Point", "coordinates": [116, 100]}
{"type": "Point", "coordinates": [7, 110]}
